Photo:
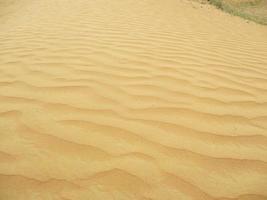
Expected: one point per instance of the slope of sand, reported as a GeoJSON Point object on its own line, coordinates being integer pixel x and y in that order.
{"type": "Point", "coordinates": [125, 99]}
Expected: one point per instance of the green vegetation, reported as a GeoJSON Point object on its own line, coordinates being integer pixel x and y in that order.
{"type": "Point", "coordinates": [254, 10]}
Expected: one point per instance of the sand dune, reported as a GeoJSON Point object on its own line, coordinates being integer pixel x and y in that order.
{"type": "Point", "coordinates": [161, 100]}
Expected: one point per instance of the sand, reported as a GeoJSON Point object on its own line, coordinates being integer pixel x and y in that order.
{"type": "Point", "coordinates": [105, 99]}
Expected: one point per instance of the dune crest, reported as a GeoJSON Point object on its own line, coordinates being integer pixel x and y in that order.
{"type": "Point", "coordinates": [131, 100]}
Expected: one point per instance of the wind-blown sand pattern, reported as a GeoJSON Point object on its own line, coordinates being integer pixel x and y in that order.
{"type": "Point", "coordinates": [125, 99]}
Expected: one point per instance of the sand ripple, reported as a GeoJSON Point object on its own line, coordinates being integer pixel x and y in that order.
{"type": "Point", "coordinates": [131, 100]}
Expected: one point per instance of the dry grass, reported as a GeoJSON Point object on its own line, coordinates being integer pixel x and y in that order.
{"type": "Point", "coordinates": [254, 10]}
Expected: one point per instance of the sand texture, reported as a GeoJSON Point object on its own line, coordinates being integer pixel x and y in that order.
{"type": "Point", "coordinates": [124, 99]}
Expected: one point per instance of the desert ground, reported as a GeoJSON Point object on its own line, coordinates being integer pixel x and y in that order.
{"type": "Point", "coordinates": [124, 99]}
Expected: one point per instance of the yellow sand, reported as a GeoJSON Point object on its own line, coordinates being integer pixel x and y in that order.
{"type": "Point", "coordinates": [125, 99]}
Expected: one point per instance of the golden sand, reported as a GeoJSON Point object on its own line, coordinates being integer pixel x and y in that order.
{"type": "Point", "coordinates": [124, 99]}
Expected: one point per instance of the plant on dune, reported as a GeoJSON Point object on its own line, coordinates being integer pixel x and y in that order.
{"type": "Point", "coordinates": [239, 10]}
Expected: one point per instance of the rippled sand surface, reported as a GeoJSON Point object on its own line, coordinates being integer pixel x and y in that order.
{"type": "Point", "coordinates": [124, 99]}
